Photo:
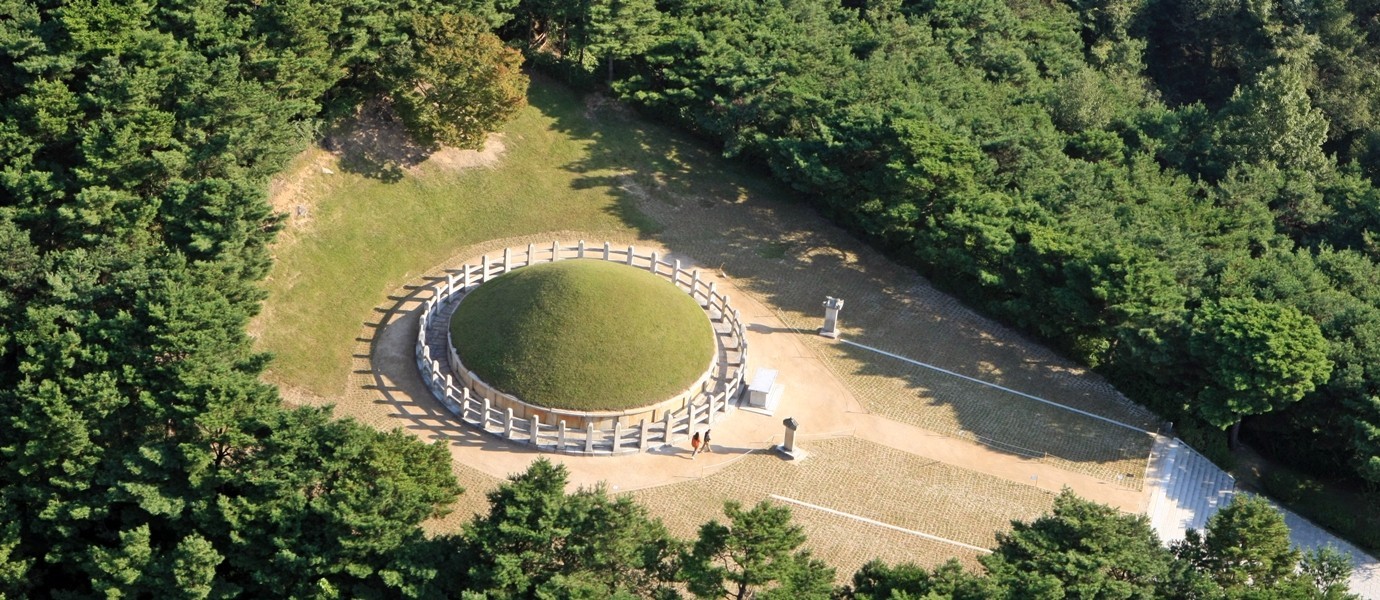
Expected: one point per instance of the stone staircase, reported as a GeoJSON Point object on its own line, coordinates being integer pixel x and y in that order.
{"type": "Point", "coordinates": [1186, 489]}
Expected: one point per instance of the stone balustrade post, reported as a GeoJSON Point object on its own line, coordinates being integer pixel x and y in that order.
{"type": "Point", "coordinates": [484, 418]}
{"type": "Point", "coordinates": [694, 282]}
{"type": "Point", "coordinates": [450, 283]}
{"type": "Point", "coordinates": [606, 250]}
{"type": "Point", "coordinates": [580, 249]}
{"type": "Point", "coordinates": [642, 436]}
{"type": "Point", "coordinates": [555, 251]}
{"type": "Point", "coordinates": [468, 268]}
{"type": "Point", "coordinates": [675, 273]}
{"type": "Point", "coordinates": [534, 431]}
{"type": "Point", "coordinates": [507, 264]}
{"type": "Point", "coordinates": [483, 268]}
{"type": "Point", "coordinates": [561, 436]}
{"type": "Point", "coordinates": [617, 435]}
{"type": "Point", "coordinates": [654, 263]}
{"type": "Point", "coordinates": [694, 413]}
{"type": "Point", "coordinates": [508, 424]}
{"type": "Point", "coordinates": [709, 298]}
{"type": "Point", "coordinates": [589, 437]}
{"type": "Point", "coordinates": [631, 254]}
{"type": "Point", "coordinates": [529, 259]}
{"type": "Point", "coordinates": [666, 428]}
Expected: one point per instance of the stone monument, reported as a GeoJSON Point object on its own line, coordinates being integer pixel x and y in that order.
{"type": "Point", "coordinates": [788, 447]}
{"type": "Point", "coordinates": [831, 317]}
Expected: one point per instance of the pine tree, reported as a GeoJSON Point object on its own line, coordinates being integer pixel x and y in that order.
{"type": "Point", "coordinates": [755, 553]}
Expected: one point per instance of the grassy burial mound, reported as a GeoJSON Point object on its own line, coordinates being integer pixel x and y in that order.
{"type": "Point", "coordinates": [583, 335]}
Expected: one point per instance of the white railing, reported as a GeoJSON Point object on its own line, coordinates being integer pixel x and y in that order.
{"type": "Point", "coordinates": [474, 402]}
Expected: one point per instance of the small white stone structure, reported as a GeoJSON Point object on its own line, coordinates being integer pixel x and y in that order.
{"type": "Point", "coordinates": [765, 392]}
{"type": "Point", "coordinates": [832, 306]}
{"type": "Point", "coordinates": [576, 432]}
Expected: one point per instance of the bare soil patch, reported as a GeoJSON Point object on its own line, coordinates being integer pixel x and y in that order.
{"type": "Point", "coordinates": [450, 160]}
{"type": "Point", "coordinates": [375, 144]}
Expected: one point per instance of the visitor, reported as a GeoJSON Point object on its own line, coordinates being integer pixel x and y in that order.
{"type": "Point", "coordinates": [694, 445]}
{"type": "Point", "coordinates": [706, 442]}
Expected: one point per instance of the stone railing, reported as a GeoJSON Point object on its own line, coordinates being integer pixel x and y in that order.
{"type": "Point", "coordinates": [576, 432]}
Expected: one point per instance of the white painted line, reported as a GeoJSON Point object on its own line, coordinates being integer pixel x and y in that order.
{"type": "Point", "coordinates": [880, 524]}
{"type": "Point", "coordinates": [1002, 388]}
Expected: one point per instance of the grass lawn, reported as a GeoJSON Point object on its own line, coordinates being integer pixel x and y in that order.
{"type": "Point", "coordinates": [583, 335]}
{"type": "Point", "coordinates": [364, 236]}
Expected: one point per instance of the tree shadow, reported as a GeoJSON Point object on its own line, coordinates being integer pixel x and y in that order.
{"type": "Point", "coordinates": [399, 385]}
{"type": "Point", "coordinates": [682, 193]}
{"type": "Point", "coordinates": [375, 144]}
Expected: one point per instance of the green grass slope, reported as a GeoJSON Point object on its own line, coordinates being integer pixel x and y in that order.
{"type": "Point", "coordinates": [366, 236]}
{"type": "Point", "coordinates": [583, 335]}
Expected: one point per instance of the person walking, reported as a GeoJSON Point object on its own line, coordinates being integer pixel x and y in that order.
{"type": "Point", "coordinates": [707, 448]}
{"type": "Point", "coordinates": [694, 445]}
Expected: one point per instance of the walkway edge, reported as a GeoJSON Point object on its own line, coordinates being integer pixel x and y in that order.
{"type": "Point", "coordinates": [879, 523]}
{"type": "Point", "coordinates": [1002, 388]}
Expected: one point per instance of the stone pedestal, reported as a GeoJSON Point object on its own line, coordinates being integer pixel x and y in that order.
{"type": "Point", "coordinates": [764, 393]}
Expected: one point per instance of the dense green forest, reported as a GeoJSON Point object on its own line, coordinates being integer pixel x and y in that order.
{"type": "Point", "coordinates": [1179, 193]}
{"type": "Point", "coordinates": [140, 454]}
{"type": "Point", "coordinates": [1051, 162]}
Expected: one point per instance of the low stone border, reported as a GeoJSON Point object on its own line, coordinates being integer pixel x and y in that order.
{"type": "Point", "coordinates": [576, 432]}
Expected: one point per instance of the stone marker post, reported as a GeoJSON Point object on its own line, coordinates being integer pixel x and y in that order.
{"type": "Point", "coordinates": [831, 317]}
{"type": "Point", "coordinates": [787, 447]}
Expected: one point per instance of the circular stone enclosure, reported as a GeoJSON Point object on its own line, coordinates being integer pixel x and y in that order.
{"type": "Point", "coordinates": [584, 335]}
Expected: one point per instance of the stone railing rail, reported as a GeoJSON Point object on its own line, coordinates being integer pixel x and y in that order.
{"type": "Point", "coordinates": [594, 433]}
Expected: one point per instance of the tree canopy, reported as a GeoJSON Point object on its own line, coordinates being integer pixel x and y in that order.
{"type": "Point", "coordinates": [1087, 550]}
{"type": "Point", "coordinates": [1153, 187]}
{"type": "Point", "coordinates": [1258, 357]}
{"type": "Point", "coordinates": [1095, 172]}
{"type": "Point", "coordinates": [142, 455]}
{"type": "Point", "coordinates": [459, 81]}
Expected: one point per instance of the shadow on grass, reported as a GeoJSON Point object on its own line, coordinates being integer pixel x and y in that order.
{"type": "Point", "coordinates": [400, 387]}
{"type": "Point", "coordinates": [681, 192]}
